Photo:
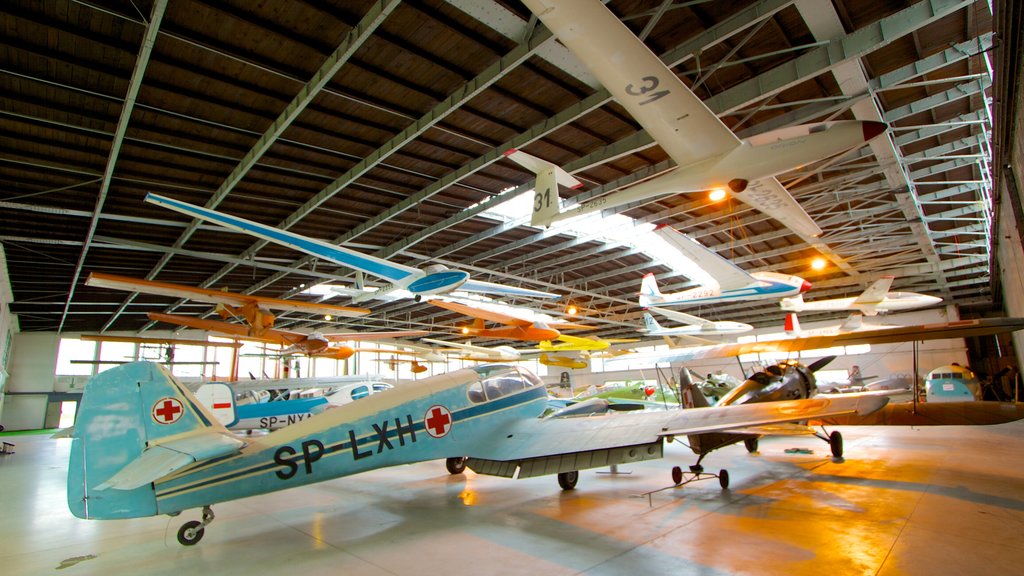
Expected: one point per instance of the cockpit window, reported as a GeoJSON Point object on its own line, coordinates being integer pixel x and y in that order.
{"type": "Point", "coordinates": [360, 392]}
{"type": "Point", "coordinates": [530, 378]}
{"type": "Point", "coordinates": [475, 391]}
{"type": "Point", "coordinates": [500, 380]}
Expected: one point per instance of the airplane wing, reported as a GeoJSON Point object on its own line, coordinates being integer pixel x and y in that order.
{"type": "Point", "coordinates": [390, 271]}
{"type": "Point", "coordinates": [682, 317]}
{"type": "Point", "coordinates": [271, 335]}
{"type": "Point", "coordinates": [545, 446]}
{"type": "Point", "coordinates": [346, 336]}
{"type": "Point", "coordinates": [491, 288]}
{"type": "Point", "coordinates": [508, 315]}
{"type": "Point", "coordinates": [959, 329]}
{"type": "Point", "coordinates": [673, 115]}
{"type": "Point", "coordinates": [296, 383]}
{"type": "Point", "coordinates": [490, 352]}
{"type": "Point", "coordinates": [876, 292]}
{"type": "Point", "coordinates": [768, 195]}
{"type": "Point", "coordinates": [728, 275]}
{"type": "Point", "coordinates": [143, 340]}
{"type": "Point", "coordinates": [127, 284]}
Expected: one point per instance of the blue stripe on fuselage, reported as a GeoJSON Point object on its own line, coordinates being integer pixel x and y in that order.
{"type": "Point", "coordinates": [773, 289]}
{"type": "Point", "coordinates": [268, 463]}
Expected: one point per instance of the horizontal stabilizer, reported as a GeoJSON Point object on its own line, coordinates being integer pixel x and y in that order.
{"type": "Point", "coordinates": [159, 460]}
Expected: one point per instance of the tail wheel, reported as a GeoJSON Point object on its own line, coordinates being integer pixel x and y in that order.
{"type": "Point", "coordinates": [835, 441]}
{"type": "Point", "coordinates": [751, 444]}
{"type": "Point", "coordinates": [191, 533]}
{"type": "Point", "coordinates": [568, 480]}
{"type": "Point", "coordinates": [723, 479]}
{"type": "Point", "coordinates": [455, 465]}
{"type": "Point", "coordinates": [677, 475]}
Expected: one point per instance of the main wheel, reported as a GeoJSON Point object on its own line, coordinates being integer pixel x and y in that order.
{"type": "Point", "coordinates": [835, 441]}
{"type": "Point", "coordinates": [677, 475]}
{"type": "Point", "coordinates": [723, 479]}
{"type": "Point", "coordinates": [568, 480]}
{"type": "Point", "coordinates": [191, 533]}
{"type": "Point", "coordinates": [455, 465]}
{"type": "Point", "coordinates": [751, 444]}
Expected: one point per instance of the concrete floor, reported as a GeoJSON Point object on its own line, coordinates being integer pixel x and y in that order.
{"type": "Point", "coordinates": [906, 501]}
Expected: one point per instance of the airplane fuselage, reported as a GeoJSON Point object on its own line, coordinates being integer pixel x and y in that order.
{"type": "Point", "coordinates": [892, 302]}
{"type": "Point", "coordinates": [437, 418]}
{"type": "Point", "coordinates": [769, 285]}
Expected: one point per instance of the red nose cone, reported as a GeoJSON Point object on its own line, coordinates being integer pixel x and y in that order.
{"type": "Point", "coordinates": [805, 286]}
{"type": "Point", "coordinates": [872, 129]}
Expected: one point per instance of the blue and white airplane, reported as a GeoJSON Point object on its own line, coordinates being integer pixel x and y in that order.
{"type": "Point", "coordinates": [143, 445]}
{"type": "Point", "coordinates": [434, 279]}
{"type": "Point", "coordinates": [731, 283]}
{"type": "Point", "coordinates": [220, 399]}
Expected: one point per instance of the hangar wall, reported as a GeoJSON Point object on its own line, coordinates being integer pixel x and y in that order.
{"type": "Point", "coordinates": [1010, 250]}
{"type": "Point", "coordinates": [8, 326]}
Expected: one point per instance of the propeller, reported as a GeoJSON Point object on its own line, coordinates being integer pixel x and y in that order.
{"type": "Point", "coordinates": [820, 363]}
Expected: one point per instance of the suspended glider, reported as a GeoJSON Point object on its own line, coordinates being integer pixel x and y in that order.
{"type": "Point", "coordinates": [708, 154]}
{"type": "Point", "coordinates": [434, 279]}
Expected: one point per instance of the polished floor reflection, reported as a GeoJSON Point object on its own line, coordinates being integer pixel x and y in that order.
{"type": "Point", "coordinates": [906, 501]}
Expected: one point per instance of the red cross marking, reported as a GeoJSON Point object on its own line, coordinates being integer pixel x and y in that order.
{"type": "Point", "coordinates": [437, 421]}
{"type": "Point", "coordinates": [167, 411]}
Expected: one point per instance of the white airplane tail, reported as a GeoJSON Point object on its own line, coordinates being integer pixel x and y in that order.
{"type": "Point", "coordinates": [852, 323]}
{"type": "Point", "coordinates": [546, 207]}
{"type": "Point", "coordinates": [652, 325]}
{"type": "Point", "coordinates": [649, 293]}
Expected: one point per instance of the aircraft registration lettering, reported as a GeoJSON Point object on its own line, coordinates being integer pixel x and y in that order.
{"type": "Point", "coordinates": [768, 197]}
{"type": "Point", "coordinates": [271, 422]}
{"type": "Point", "coordinates": [313, 450]}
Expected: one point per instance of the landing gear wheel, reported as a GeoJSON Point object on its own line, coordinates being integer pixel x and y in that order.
{"type": "Point", "coordinates": [191, 533]}
{"type": "Point", "coordinates": [677, 475]}
{"type": "Point", "coordinates": [568, 480]}
{"type": "Point", "coordinates": [723, 479]}
{"type": "Point", "coordinates": [751, 444]}
{"type": "Point", "coordinates": [835, 441]}
{"type": "Point", "coordinates": [455, 465]}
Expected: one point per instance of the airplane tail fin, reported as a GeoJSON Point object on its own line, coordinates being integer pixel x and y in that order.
{"type": "Point", "coordinates": [792, 324]}
{"type": "Point", "coordinates": [691, 396]}
{"type": "Point", "coordinates": [545, 204]}
{"type": "Point", "coordinates": [852, 322]}
{"type": "Point", "coordinates": [649, 293]}
{"type": "Point", "coordinates": [652, 325]}
{"type": "Point", "coordinates": [136, 424]}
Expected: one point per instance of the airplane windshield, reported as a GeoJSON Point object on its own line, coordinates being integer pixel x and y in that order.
{"type": "Point", "coordinates": [499, 380]}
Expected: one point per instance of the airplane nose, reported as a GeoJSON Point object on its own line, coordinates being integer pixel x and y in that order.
{"type": "Point", "coordinates": [805, 286]}
{"type": "Point", "coordinates": [872, 129]}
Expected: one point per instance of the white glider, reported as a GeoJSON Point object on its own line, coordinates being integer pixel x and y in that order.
{"type": "Point", "coordinates": [875, 299]}
{"type": "Point", "coordinates": [708, 154]}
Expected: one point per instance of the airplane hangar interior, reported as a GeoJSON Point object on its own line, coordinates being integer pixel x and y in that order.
{"type": "Point", "coordinates": [512, 287]}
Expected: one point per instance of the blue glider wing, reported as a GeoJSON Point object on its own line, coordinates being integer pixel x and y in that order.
{"type": "Point", "coordinates": [394, 273]}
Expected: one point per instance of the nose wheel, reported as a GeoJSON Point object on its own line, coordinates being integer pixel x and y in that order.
{"type": "Point", "coordinates": [191, 532]}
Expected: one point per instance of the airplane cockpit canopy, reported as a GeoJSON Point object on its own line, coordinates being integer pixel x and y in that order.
{"type": "Point", "coordinates": [499, 380]}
